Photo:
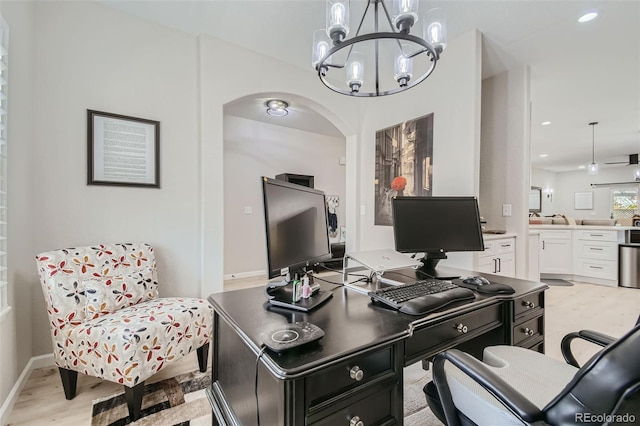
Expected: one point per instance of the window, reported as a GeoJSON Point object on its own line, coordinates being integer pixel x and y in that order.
{"type": "Point", "coordinates": [4, 43]}
{"type": "Point", "coordinates": [625, 203]}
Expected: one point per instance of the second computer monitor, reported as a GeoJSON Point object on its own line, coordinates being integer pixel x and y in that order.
{"type": "Point", "coordinates": [435, 226]}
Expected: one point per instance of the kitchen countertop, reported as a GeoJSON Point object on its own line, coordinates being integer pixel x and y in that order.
{"type": "Point", "coordinates": [489, 237]}
{"type": "Point", "coordinates": [586, 227]}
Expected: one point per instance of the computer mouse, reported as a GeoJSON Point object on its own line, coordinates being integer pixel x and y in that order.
{"type": "Point", "coordinates": [477, 280]}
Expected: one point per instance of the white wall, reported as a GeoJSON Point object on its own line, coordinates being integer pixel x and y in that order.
{"type": "Point", "coordinates": [566, 184]}
{"type": "Point", "coordinates": [253, 149]}
{"type": "Point", "coordinates": [505, 174]}
{"type": "Point", "coordinates": [452, 93]}
{"type": "Point", "coordinates": [92, 57]}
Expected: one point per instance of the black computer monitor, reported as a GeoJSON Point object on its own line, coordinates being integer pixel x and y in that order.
{"type": "Point", "coordinates": [435, 226]}
{"type": "Point", "coordinates": [296, 227]}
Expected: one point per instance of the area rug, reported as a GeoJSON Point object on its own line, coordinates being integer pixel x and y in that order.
{"type": "Point", "coordinates": [557, 282]}
{"type": "Point", "coordinates": [179, 400]}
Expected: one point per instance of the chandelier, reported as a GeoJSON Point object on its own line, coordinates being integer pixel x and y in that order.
{"type": "Point", "coordinates": [377, 63]}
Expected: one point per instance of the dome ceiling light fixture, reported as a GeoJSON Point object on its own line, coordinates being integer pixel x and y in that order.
{"type": "Point", "coordinates": [377, 63]}
{"type": "Point", "coordinates": [277, 107]}
{"type": "Point", "coordinates": [593, 167]}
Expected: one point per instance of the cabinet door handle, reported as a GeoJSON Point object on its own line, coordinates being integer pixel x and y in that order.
{"type": "Point", "coordinates": [499, 264]}
{"type": "Point", "coordinates": [542, 244]}
{"type": "Point", "coordinates": [356, 373]}
{"type": "Point", "coordinates": [355, 421]}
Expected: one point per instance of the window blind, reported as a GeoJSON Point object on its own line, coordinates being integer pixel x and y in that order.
{"type": "Point", "coordinates": [4, 78]}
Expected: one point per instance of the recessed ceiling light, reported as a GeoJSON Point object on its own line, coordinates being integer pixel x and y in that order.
{"type": "Point", "coordinates": [582, 167]}
{"type": "Point", "coordinates": [277, 107]}
{"type": "Point", "coordinates": [544, 155]}
{"type": "Point", "coordinates": [546, 123]}
{"type": "Point", "coordinates": [587, 17]}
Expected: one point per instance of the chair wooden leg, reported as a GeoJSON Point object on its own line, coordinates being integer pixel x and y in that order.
{"type": "Point", "coordinates": [134, 400]}
{"type": "Point", "coordinates": [69, 382]}
{"type": "Point", "coordinates": [203, 357]}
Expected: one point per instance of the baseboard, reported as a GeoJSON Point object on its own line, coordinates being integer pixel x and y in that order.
{"type": "Point", "coordinates": [35, 362]}
{"type": "Point", "coordinates": [239, 275]}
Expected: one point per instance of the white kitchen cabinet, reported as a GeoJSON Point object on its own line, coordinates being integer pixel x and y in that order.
{"type": "Point", "coordinates": [556, 252]}
{"type": "Point", "coordinates": [595, 254]}
{"type": "Point", "coordinates": [497, 258]}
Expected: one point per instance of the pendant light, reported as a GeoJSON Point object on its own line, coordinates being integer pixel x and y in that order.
{"type": "Point", "coordinates": [593, 167]}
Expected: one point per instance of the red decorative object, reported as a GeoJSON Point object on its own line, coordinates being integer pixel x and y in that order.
{"type": "Point", "coordinates": [398, 183]}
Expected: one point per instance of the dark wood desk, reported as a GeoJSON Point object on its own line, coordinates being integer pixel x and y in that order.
{"type": "Point", "coordinates": [318, 384]}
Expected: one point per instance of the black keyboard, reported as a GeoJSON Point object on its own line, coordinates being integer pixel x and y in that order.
{"type": "Point", "coordinates": [421, 297]}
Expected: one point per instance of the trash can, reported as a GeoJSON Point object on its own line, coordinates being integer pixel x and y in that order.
{"type": "Point", "coordinates": [629, 265]}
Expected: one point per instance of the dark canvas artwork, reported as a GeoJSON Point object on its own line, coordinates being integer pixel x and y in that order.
{"type": "Point", "coordinates": [403, 164]}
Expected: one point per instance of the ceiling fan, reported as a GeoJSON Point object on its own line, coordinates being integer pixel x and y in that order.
{"type": "Point", "coordinates": [633, 160]}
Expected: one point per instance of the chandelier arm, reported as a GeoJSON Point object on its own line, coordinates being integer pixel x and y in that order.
{"type": "Point", "coordinates": [386, 12]}
{"type": "Point", "coordinates": [377, 42]}
{"type": "Point", "coordinates": [364, 15]}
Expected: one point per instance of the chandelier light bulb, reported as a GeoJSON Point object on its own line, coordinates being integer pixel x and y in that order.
{"type": "Point", "coordinates": [435, 30]}
{"type": "Point", "coordinates": [355, 71]}
{"type": "Point", "coordinates": [403, 70]}
{"type": "Point", "coordinates": [636, 175]}
{"type": "Point", "coordinates": [337, 20]}
{"type": "Point", "coordinates": [405, 14]}
{"type": "Point", "coordinates": [321, 45]}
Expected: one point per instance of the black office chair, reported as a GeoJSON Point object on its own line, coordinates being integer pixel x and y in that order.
{"type": "Point", "coordinates": [518, 386]}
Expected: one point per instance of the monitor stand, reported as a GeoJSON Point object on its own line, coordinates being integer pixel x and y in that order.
{"type": "Point", "coordinates": [428, 268]}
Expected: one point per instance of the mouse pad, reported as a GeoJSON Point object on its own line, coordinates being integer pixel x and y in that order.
{"type": "Point", "coordinates": [493, 288]}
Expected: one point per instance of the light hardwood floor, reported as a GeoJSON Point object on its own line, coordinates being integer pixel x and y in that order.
{"type": "Point", "coordinates": [611, 310]}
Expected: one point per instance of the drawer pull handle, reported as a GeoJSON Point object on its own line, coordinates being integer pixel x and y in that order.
{"type": "Point", "coordinates": [505, 245]}
{"type": "Point", "coordinates": [596, 235]}
{"type": "Point", "coordinates": [595, 267]}
{"type": "Point", "coordinates": [355, 421]}
{"type": "Point", "coordinates": [462, 328]}
{"type": "Point", "coordinates": [595, 248]}
{"type": "Point", "coordinates": [528, 304]}
{"type": "Point", "coordinates": [356, 373]}
{"type": "Point", "coordinates": [528, 331]}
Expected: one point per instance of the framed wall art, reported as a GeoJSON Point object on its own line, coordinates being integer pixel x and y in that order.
{"type": "Point", "coordinates": [403, 164]}
{"type": "Point", "coordinates": [122, 150]}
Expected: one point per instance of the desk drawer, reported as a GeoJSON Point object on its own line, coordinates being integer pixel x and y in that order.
{"type": "Point", "coordinates": [525, 304]}
{"type": "Point", "coordinates": [370, 410]}
{"type": "Point", "coordinates": [347, 375]}
{"type": "Point", "coordinates": [444, 335]}
{"type": "Point", "coordinates": [528, 330]}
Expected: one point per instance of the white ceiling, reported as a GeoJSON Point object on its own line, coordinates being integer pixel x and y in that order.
{"type": "Point", "coordinates": [579, 72]}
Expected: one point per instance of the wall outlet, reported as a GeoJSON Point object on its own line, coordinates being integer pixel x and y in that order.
{"type": "Point", "coordinates": [506, 210]}
{"type": "Point", "coordinates": [248, 210]}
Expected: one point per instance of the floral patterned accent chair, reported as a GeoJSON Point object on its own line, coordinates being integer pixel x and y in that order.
{"type": "Point", "coordinates": [107, 319]}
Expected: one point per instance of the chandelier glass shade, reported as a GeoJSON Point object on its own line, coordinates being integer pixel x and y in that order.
{"type": "Point", "coordinates": [593, 167]}
{"type": "Point", "coordinates": [383, 57]}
